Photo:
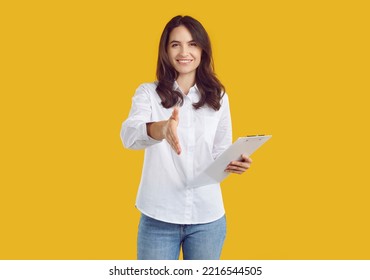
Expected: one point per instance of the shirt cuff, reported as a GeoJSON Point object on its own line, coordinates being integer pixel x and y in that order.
{"type": "Point", "coordinates": [147, 138]}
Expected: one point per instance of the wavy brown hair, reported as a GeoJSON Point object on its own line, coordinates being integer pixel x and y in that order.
{"type": "Point", "coordinates": [210, 88]}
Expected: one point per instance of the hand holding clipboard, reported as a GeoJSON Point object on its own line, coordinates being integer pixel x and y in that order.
{"type": "Point", "coordinates": [215, 172]}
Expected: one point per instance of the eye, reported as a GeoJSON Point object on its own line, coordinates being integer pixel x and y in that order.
{"type": "Point", "coordinates": [193, 44]}
{"type": "Point", "coordinates": [174, 45]}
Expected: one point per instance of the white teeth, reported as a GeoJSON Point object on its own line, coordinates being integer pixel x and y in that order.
{"type": "Point", "coordinates": [184, 60]}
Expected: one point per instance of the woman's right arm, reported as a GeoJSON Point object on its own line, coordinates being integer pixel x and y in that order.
{"type": "Point", "coordinates": [139, 132]}
{"type": "Point", "coordinates": [134, 129]}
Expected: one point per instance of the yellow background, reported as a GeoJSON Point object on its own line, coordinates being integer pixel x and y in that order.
{"type": "Point", "coordinates": [298, 70]}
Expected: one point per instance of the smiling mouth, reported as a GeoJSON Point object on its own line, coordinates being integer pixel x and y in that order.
{"type": "Point", "coordinates": [184, 61]}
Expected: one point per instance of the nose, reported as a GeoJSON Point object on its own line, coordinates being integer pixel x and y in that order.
{"type": "Point", "coordinates": [184, 51]}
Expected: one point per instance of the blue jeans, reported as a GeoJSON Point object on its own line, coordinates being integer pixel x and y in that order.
{"type": "Point", "coordinates": [158, 240]}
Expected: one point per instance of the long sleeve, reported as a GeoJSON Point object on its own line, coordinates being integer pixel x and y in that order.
{"type": "Point", "coordinates": [223, 136]}
{"type": "Point", "coordinates": [133, 131]}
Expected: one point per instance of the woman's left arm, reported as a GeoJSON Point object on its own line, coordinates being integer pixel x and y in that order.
{"type": "Point", "coordinates": [223, 140]}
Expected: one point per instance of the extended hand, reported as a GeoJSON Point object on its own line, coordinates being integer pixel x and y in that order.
{"type": "Point", "coordinates": [239, 167]}
{"type": "Point", "coordinates": [170, 131]}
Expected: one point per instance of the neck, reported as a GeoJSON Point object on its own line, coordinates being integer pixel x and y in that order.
{"type": "Point", "coordinates": [185, 82]}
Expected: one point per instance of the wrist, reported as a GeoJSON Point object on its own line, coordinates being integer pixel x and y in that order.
{"type": "Point", "coordinates": [148, 128]}
{"type": "Point", "coordinates": [156, 130]}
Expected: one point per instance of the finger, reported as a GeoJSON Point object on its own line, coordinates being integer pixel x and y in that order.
{"type": "Point", "coordinates": [175, 114]}
{"type": "Point", "coordinates": [245, 158]}
{"type": "Point", "coordinates": [172, 134]}
{"type": "Point", "coordinates": [174, 146]}
{"type": "Point", "coordinates": [177, 147]}
{"type": "Point", "coordinates": [241, 164]}
{"type": "Point", "coordinates": [234, 171]}
{"type": "Point", "coordinates": [236, 168]}
{"type": "Point", "coordinates": [174, 141]}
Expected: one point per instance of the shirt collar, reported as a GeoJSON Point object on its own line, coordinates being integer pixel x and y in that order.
{"type": "Point", "coordinates": [192, 89]}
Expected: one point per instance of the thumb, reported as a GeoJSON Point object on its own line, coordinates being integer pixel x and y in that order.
{"type": "Point", "coordinates": [175, 114]}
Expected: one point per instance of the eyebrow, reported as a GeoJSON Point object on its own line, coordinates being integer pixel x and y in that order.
{"type": "Point", "coordinates": [174, 41]}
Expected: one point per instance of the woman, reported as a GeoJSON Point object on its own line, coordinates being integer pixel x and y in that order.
{"type": "Point", "coordinates": [183, 123]}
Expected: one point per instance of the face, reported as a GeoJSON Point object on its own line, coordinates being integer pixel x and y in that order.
{"type": "Point", "coordinates": [183, 52]}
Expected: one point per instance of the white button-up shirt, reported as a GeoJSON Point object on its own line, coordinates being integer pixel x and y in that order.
{"type": "Point", "coordinates": [164, 192]}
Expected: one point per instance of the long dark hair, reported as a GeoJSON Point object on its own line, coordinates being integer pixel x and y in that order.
{"type": "Point", "coordinates": [210, 88]}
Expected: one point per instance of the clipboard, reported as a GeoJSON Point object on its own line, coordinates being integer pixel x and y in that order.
{"type": "Point", "coordinates": [214, 173]}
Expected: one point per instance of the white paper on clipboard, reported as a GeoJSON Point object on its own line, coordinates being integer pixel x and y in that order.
{"type": "Point", "coordinates": [215, 172]}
